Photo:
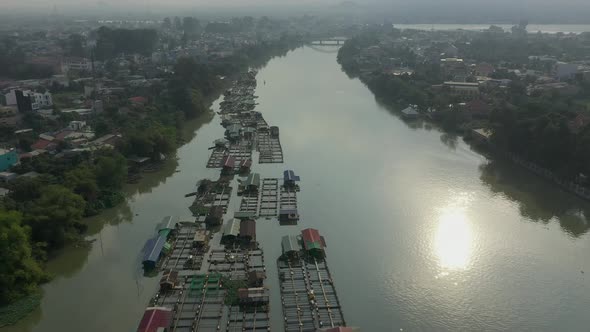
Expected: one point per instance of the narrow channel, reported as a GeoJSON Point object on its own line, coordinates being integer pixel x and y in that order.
{"type": "Point", "coordinates": [422, 232]}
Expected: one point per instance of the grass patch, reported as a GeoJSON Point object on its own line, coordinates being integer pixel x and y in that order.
{"type": "Point", "coordinates": [14, 312]}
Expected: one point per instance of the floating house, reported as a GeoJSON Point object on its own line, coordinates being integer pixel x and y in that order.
{"type": "Point", "coordinates": [201, 239]}
{"type": "Point", "coordinates": [229, 162]}
{"type": "Point", "coordinates": [313, 242]}
{"type": "Point", "coordinates": [253, 296]}
{"type": "Point", "coordinates": [274, 131]}
{"type": "Point", "coordinates": [247, 231]}
{"type": "Point", "coordinates": [248, 133]}
{"type": "Point", "coordinates": [252, 183]}
{"type": "Point", "coordinates": [231, 231]}
{"type": "Point", "coordinates": [169, 280]}
{"type": "Point", "coordinates": [288, 215]}
{"type": "Point", "coordinates": [291, 246]}
{"type": "Point", "coordinates": [290, 179]}
{"type": "Point", "coordinates": [167, 226]}
{"type": "Point", "coordinates": [410, 113]}
{"type": "Point", "coordinates": [152, 251]}
{"type": "Point", "coordinates": [155, 319]}
{"type": "Point", "coordinates": [233, 132]}
{"type": "Point", "coordinates": [256, 278]}
{"type": "Point", "coordinates": [245, 165]}
{"type": "Point", "coordinates": [243, 215]}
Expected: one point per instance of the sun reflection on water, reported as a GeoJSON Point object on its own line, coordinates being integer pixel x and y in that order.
{"type": "Point", "coordinates": [453, 238]}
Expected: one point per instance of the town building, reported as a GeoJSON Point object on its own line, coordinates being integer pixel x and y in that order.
{"type": "Point", "coordinates": [27, 100]}
{"type": "Point", "coordinates": [565, 71]}
{"type": "Point", "coordinates": [75, 64]}
{"type": "Point", "coordinates": [462, 89]}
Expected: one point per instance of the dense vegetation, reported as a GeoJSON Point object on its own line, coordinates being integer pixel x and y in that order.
{"type": "Point", "coordinates": [13, 65]}
{"type": "Point", "coordinates": [111, 42]}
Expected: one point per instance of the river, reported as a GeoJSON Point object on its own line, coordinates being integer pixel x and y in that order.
{"type": "Point", "coordinates": [423, 233]}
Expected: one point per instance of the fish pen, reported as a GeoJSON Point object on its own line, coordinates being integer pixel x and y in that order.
{"type": "Point", "coordinates": [269, 147]}
{"type": "Point", "coordinates": [308, 295]}
{"type": "Point", "coordinates": [197, 303]}
{"type": "Point", "coordinates": [250, 202]}
{"type": "Point", "coordinates": [269, 198]}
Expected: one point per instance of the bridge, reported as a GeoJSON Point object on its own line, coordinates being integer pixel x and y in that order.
{"type": "Point", "coordinates": [329, 41]}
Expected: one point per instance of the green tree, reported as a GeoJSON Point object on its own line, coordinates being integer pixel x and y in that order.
{"type": "Point", "coordinates": [111, 170]}
{"type": "Point", "coordinates": [54, 217]}
{"type": "Point", "coordinates": [82, 181]}
{"type": "Point", "coordinates": [19, 272]}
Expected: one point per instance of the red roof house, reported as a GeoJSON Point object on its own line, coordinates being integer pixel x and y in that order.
{"type": "Point", "coordinates": [43, 145]}
{"type": "Point", "coordinates": [313, 242]}
{"type": "Point", "coordinates": [155, 318]}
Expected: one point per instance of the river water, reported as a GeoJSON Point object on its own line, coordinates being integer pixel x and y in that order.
{"type": "Point", "coordinates": [423, 233]}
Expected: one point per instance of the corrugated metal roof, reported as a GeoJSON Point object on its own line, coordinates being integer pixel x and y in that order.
{"type": "Point", "coordinates": [253, 180]}
{"type": "Point", "coordinates": [289, 175]}
{"type": "Point", "coordinates": [155, 318]}
{"type": "Point", "coordinates": [312, 239]}
{"type": "Point", "coordinates": [167, 223]}
{"type": "Point", "coordinates": [244, 214]}
{"type": "Point", "coordinates": [153, 249]}
{"type": "Point", "coordinates": [232, 227]}
{"type": "Point", "coordinates": [248, 228]}
{"type": "Point", "coordinates": [229, 161]}
{"type": "Point", "coordinates": [290, 243]}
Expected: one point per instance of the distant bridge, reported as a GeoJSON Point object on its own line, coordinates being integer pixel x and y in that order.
{"type": "Point", "coordinates": [329, 41]}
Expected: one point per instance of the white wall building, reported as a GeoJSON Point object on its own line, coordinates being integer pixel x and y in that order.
{"type": "Point", "coordinates": [565, 71]}
{"type": "Point", "coordinates": [77, 64]}
{"type": "Point", "coordinates": [38, 100]}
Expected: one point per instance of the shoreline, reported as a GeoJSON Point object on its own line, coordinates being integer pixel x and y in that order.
{"type": "Point", "coordinates": [468, 136]}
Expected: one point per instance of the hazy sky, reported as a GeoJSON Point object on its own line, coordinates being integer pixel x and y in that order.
{"type": "Point", "coordinates": [422, 10]}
